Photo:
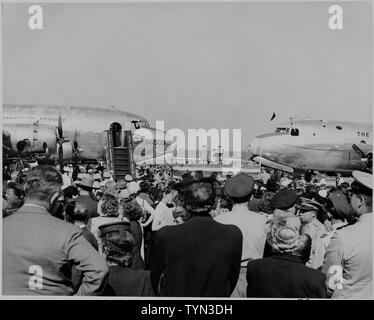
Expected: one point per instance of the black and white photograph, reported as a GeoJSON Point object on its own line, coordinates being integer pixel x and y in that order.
{"type": "Point", "coordinates": [173, 149]}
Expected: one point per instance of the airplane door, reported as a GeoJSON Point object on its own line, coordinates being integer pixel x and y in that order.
{"type": "Point", "coordinates": [116, 130]}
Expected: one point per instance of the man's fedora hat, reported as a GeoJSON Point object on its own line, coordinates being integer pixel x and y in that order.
{"type": "Point", "coordinates": [86, 182]}
{"type": "Point", "coordinates": [239, 186]}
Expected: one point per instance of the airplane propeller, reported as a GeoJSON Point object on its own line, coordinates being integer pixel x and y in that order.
{"type": "Point", "coordinates": [60, 139]}
{"type": "Point", "coordinates": [76, 150]}
{"type": "Point", "coordinates": [359, 151]}
{"type": "Point", "coordinates": [367, 158]}
{"type": "Point", "coordinates": [75, 143]}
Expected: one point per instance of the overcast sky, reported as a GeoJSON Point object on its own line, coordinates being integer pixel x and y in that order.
{"type": "Point", "coordinates": [197, 65]}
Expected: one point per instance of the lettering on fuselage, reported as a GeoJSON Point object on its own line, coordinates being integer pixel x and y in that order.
{"type": "Point", "coordinates": [43, 119]}
{"type": "Point", "coordinates": [362, 134]}
{"type": "Point", "coordinates": [18, 117]}
{"type": "Point", "coordinates": [154, 141]}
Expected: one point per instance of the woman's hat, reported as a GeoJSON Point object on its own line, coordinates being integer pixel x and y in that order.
{"type": "Point", "coordinates": [97, 176]}
{"type": "Point", "coordinates": [284, 199]}
{"type": "Point", "coordinates": [86, 182]}
{"type": "Point", "coordinates": [96, 185]}
{"type": "Point", "coordinates": [116, 227]}
{"type": "Point", "coordinates": [121, 184]}
{"type": "Point", "coordinates": [124, 194]}
{"type": "Point", "coordinates": [128, 178]}
{"type": "Point", "coordinates": [106, 174]}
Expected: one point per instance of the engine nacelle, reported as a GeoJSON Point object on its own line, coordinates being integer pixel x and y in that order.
{"type": "Point", "coordinates": [67, 149]}
{"type": "Point", "coordinates": [29, 136]}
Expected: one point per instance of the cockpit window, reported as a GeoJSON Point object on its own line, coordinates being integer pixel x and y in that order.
{"type": "Point", "coordinates": [136, 124]}
{"type": "Point", "coordinates": [282, 130]}
{"type": "Point", "coordinates": [140, 124]}
{"type": "Point", "coordinates": [294, 132]}
{"type": "Point", "coordinates": [144, 124]}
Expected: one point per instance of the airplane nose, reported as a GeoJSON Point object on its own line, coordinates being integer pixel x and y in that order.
{"type": "Point", "coordinates": [254, 146]}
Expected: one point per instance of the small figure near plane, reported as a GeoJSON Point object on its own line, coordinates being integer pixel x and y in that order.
{"type": "Point", "coordinates": [320, 145]}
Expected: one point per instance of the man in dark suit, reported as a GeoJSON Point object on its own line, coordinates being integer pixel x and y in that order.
{"type": "Point", "coordinates": [201, 257]}
{"type": "Point", "coordinates": [85, 187]}
{"type": "Point", "coordinates": [284, 274]}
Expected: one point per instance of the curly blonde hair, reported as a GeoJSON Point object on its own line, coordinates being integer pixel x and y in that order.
{"type": "Point", "coordinates": [284, 234]}
{"type": "Point", "coordinates": [109, 207]}
{"type": "Point", "coordinates": [131, 209]}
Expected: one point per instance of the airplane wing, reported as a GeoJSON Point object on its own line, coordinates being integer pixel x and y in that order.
{"type": "Point", "coordinates": [273, 164]}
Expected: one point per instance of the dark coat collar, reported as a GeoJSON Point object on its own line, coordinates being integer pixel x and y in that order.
{"type": "Point", "coordinates": [288, 257]}
{"type": "Point", "coordinates": [200, 215]}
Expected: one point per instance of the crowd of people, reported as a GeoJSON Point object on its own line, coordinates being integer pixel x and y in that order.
{"type": "Point", "coordinates": [154, 234]}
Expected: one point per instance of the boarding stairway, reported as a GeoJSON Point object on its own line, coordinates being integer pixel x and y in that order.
{"type": "Point", "coordinates": [120, 159]}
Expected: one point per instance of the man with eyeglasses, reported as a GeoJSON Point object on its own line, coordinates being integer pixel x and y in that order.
{"type": "Point", "coordinates": [349, 256]}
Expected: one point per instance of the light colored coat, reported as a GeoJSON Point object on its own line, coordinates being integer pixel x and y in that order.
{"type": "Point", "coordinates": [348, 263]}
{"type": "Point", "coordinates": [315, 230]}
{"type": "Point", "coordinates": [322, 244]}
{"type": "Point", "coordinates": [39, 251]}
{"type": "Point", "coordinates": [253, 227]}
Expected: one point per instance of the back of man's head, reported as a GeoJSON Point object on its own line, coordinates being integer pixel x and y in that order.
{"type": "Point", "coordinates": [76, 211]}
{"type": "Point", "coordinates": [338, 206]}
{"type": "Point", "coordinates": [42, 183]}
{"type": "Point", "coordinates": [239, 188]}
{"type": "Point", "coordinates": [198, 197]}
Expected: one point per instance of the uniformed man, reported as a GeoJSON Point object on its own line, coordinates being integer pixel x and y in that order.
{"type": "Point", "coordinates": [348, 262]}
{"type": "Point", "coordinates": [39, 249]}
{"type": "Point", "coordinates": [311, 226]}
{"type": "Point", "coordinates": [252, 224]}
{"type": "Point", "coordinates": [338, 210]}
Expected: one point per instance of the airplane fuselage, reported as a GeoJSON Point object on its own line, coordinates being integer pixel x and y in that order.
{"type": "Point", "coordinates": [89, 123]}
{"type": "Point", "coordinates": [316, 145]}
